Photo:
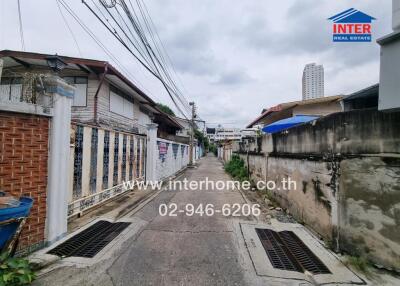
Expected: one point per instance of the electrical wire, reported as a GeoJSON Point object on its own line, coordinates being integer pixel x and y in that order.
{"type": "Point", "coordinates": [163, 47]}
{"type": "Point", "coordinates": [151, 27]}
{"type": "Point", "coordinates": [159, 56]}
{"type": "Point", "coordinates": [69, 29]}
{"type": "Point", "coordinates": [99, 43]}
{"type": "Point", "coordinates": [157, 64]}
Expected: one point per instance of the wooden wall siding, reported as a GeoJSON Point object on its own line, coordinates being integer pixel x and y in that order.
{"type": "Point", "coordinates": [137, 158]}
{"type": "Point", "coordinates": [104, 113]}
{"type": "Point", "coordinates": [85, 114]}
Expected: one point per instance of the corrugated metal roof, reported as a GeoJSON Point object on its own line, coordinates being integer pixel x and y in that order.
{"type": "Point", "coordinates": [366, 92]}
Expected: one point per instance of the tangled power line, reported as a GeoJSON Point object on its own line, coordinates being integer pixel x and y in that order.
{"type": "Point", "coordinates": [133, 27]}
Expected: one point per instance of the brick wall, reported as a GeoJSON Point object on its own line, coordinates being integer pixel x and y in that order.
{"type": "Point", "coordinates": [23, 168]}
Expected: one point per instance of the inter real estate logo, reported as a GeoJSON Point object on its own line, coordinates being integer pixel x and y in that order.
{"type": "Point", "coordinates": [352, 26]}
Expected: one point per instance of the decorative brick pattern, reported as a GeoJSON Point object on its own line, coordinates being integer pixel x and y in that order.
{"type": "Point", "coordinates": [24, 145]}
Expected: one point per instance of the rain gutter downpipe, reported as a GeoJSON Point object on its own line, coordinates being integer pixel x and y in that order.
{"type": "Point", "coordinates": [96, 95]}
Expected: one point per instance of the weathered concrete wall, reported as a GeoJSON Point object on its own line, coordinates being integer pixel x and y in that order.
{"type": "Point", "coordinates": [370, 208]}
{"type": "Point", "coordinates": [225, 152]}
{"type": "Point", "coordinates": [352, 132]}
{"type": "Point", "coordinates": [312, 201]}
{"type": "Point", "coordinates": [347, 170]}
{"type": "Point", "coordinates": [257, 166]}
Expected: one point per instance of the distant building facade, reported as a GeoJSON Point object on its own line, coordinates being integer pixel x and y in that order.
{"type": "Point", "coordinates": [221, 134]}
{"type": "Point", "coordinates": [313, 81]}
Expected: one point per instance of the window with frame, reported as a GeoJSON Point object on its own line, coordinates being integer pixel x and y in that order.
{"type": "Point", "coordinates": [11, 89]}
{"type": "Point", "coordinates": [120, 103]}
{"type": "Point", "coordinates": [81, 85]}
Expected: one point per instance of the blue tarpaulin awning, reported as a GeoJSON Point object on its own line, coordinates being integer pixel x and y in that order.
{"type": "Point", "coordinates": [288, 123]}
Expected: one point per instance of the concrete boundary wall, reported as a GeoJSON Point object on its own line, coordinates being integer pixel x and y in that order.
{"type": "Point", "coordinates": [347, 171]}
{"type": "Point", "coordinates": [171, 158]}
{"type": "Point", "coordinates": [352, 132]}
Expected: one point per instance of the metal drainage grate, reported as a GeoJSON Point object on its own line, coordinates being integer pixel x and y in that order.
{"type": "Point", "coordinates": [287, 252]}
{"type": "Point", "coordinates": [90, 241]}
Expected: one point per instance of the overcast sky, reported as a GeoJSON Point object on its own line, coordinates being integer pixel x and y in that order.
{"type": "Point", "coordinates": [233, 58]}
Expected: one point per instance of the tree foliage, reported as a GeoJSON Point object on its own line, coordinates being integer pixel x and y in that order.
{"type": "Point", "coordinates": [201, 138]}
{"type": "Point", "coordinates": [166, 109]}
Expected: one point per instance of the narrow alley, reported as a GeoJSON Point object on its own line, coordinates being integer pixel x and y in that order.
{"type": "Point", "coordinates": [168, 250]}
{"type": "Point", "coordinates": [199, 143]}
{"type": "Point", "coordinates": [177, 250]}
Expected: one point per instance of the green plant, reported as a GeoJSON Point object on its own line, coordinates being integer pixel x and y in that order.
{"type": "Point", "coordinates": [15, 271]}
{"type": "Point", "coordinates": [166, 109]}
{"type": "Point", "coordinates": [359, 263]}
{"type": "Point", "coordinates": [202, 139]}
{"type": "Point", "coordinates": [213, 149]}
{"type": "Point", "coordinates": [236, 168]}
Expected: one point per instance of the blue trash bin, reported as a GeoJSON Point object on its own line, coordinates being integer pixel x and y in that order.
{"type": "Point", "coordinates": [7, 231]}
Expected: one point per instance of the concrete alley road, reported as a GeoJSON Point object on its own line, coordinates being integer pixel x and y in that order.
{"type": "Point", "coordinates": [181, 250]}
{"type": "Point", "coordinates": [184, 250]}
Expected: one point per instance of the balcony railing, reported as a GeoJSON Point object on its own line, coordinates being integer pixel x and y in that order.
{"type": "Point", "coordinates": [25, 90]}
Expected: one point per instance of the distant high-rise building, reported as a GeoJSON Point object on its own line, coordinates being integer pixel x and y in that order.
{"type": "Point", "coordinates": [313, 81]}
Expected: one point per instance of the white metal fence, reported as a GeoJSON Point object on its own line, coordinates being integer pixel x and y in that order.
{"type": "Point", "coordinates": [100, 160]}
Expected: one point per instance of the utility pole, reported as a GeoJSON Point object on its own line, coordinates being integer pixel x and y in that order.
{"type": "Point", "coordinates": [192, 104]}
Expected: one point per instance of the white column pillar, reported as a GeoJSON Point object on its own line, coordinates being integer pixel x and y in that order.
{"type": "Point", "coordinates": [151, 162]}
{"type": "Point", "coordinates": [57, 189]}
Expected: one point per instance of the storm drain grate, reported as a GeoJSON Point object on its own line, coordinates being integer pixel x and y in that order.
{"type": "Point", "coordinates": [286, 251]}
{"type": "Point", "coordinates": [90, 241]}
